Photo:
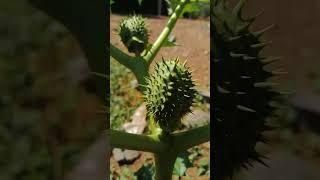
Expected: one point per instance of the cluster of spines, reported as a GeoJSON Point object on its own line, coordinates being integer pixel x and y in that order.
{"type": "Point", "coordinates": [169, 94]}
{"type": "Point", "coordinates": [242, 94]}
{"type": "Point", "coordinates": [134, 34]}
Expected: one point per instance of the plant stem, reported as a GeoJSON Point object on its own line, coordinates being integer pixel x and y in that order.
{"type": "Point", "coordinates": [164, 163]}
{"type": "Point", "coordinates": [137, 65]}
{"type": "Point", "coordinates": [190, 138]}
{"type": "Point", "coordinates": [165, 146]}
{"type": "Point", "coordinates": [121, 57]}
{"type": "Point", "coordinates": [165, 32]}
{"type": "Point", "coordinates": [125, 140]}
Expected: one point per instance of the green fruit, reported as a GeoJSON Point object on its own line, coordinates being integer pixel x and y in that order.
{"type": "Point", "coordinates": [169, 94]}
{"type": "Point", "coordinates": [133, 33]}
{"type": "Point", "coordinates": [241, 95]}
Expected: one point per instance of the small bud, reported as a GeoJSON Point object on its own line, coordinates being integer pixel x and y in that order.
{"type": "Point", "coordinates": [133, 33]}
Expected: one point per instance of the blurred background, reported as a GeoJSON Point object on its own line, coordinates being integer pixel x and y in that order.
{"type": "Point", "coordinates": [293, 149]}
{"type": "Point", "coordinates": [50, 124]}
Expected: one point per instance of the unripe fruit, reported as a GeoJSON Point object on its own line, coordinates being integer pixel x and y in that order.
{"type": "Point", "coordinates": [241, 95]}
{"type": "Point", "coordinates": [133, 33]}
{"type": "Point", "coordinates": [169, 94]}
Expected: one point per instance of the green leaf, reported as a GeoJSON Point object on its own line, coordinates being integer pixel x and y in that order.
{"type": "Point", "coordinates": [190, 8]}
{"type": "Point", "coordinates": [170, 42]}
{"type": "Point", "coordinates": [140, 1]}
{"type": "Point", "coordinates": [201, 171]}
{"type": "Point", "coordinates": [179, 167]}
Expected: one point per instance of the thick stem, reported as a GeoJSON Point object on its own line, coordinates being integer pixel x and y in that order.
{"type": "Point", "coordinates": [137, 65]}
{"type": "Point", "coordinates": [151, 54]}
{"type": "Point", "coordinates": [190, 138]}
{"type": "Point", "coordinates": [164, 163]}
{"type": "Point", "coordinates": [125, 140]}
{"type": "Point", "coordinates": [121, 57]}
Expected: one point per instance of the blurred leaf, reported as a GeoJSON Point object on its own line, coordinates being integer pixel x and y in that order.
{"type": "Point", "coordinates": [190, 8]}
{"type": "Point", "coordinates": [179, 168]}
{"type": "Point", "coordinates": [170, 42]}
{"type": "Point", "coordinates": [146, 172]}
{"type": "Point", "coordinates": [140, 1]}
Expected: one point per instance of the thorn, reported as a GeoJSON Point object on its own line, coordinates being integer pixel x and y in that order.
{"type": "Point", "coordinates": [235, 38]}
{"type": "Point", "coordinates": [262, 31]}
{"type": "Point", "coordinates": [245, 166]}
{"type": "Point", "coordinates": [286, 92]}
{"type": "Point", "coordinates": [235, 55]}
{"type": "Point", "coordinates": [238, 8]}
{"type": "Point", "coordinates": [255, 16]}
{"type": "Point", "coordinates": [262, 162]}
{"type": "Point", "coordinates": [249, 58]}
{"type": "Point", "coordinates": [243, 108]}
{"type": "Point", "coordinates": [265, 84]}
{"type": "Point", "coordinates": [261, 45]}
{"type": "Point", "coordinates": [184, 63]}
{"type": "Point", "coordinates": [244, 27]}
{"type": "Point", "coordinates": [245, 77]}
{"type": "Point", "coordinates": [250, 164]}
{"type": "Point", "coordinates": [270, 60]}
{"type": "Point", "coordinates": [240, 93]}
{"type": "Point", "coordinates": [279, 72]}
{"type": "Point", "coordinates": [222, 90]}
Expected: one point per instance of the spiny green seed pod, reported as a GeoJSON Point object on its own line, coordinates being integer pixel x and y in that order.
{"type": "Point", "coordinates": [134, 34]}
{"type": "Point", "coordinates": [169, 94]}
{"type": "Point", "coordinates": [241, 95]}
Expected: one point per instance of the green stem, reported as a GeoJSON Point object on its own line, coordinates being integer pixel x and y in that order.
{"type": "Point", "coordinates": [151, 54]}
{"type": "Point", "coordinates": [137, 65]}
{"type": "Point", "coordinates": [185, 140]}
{"type": "Point", "coordinates": [165, 146]}
{"type": "Point", "coordinates": [121, 57]}
{"type": "Point", "coordinates": [125, 140]}
{"type": "Point", "coordinates": [164, 163]}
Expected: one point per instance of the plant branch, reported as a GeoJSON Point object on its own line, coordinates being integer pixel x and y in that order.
{"type": "Point", "coordinates": [121, 57]}
{"type": "Point", "coordinates": [185, 140]}
{"type": "Point", "coordinates": [164, 163]}
{"type": "Point", "coordinates": [165, 32]}
{"type": "Point", "coordinates": [137, 65]}
{"type": "Point", "coordinates": [125, 140]}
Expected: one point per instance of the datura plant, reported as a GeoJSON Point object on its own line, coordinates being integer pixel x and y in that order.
{"type": "Point", "coordinates": [168, 92]}
{"type": "Point", "coordinates": [241, 93]}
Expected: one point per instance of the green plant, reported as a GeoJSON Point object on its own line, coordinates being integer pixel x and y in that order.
{"type": "Point", "coordinates": [168, 92]}
{"type": "Point", "coordinates": [242, 94]}
{"type": "Point", "coordinates": [193, 8]}
{"type": "Point", "coordinates": [239, 78]}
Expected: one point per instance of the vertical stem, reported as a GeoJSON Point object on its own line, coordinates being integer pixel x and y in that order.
{"type": "Point", "coordinates": [164, 163]}
{"type": "Point", "coordinates": [165, 32]}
